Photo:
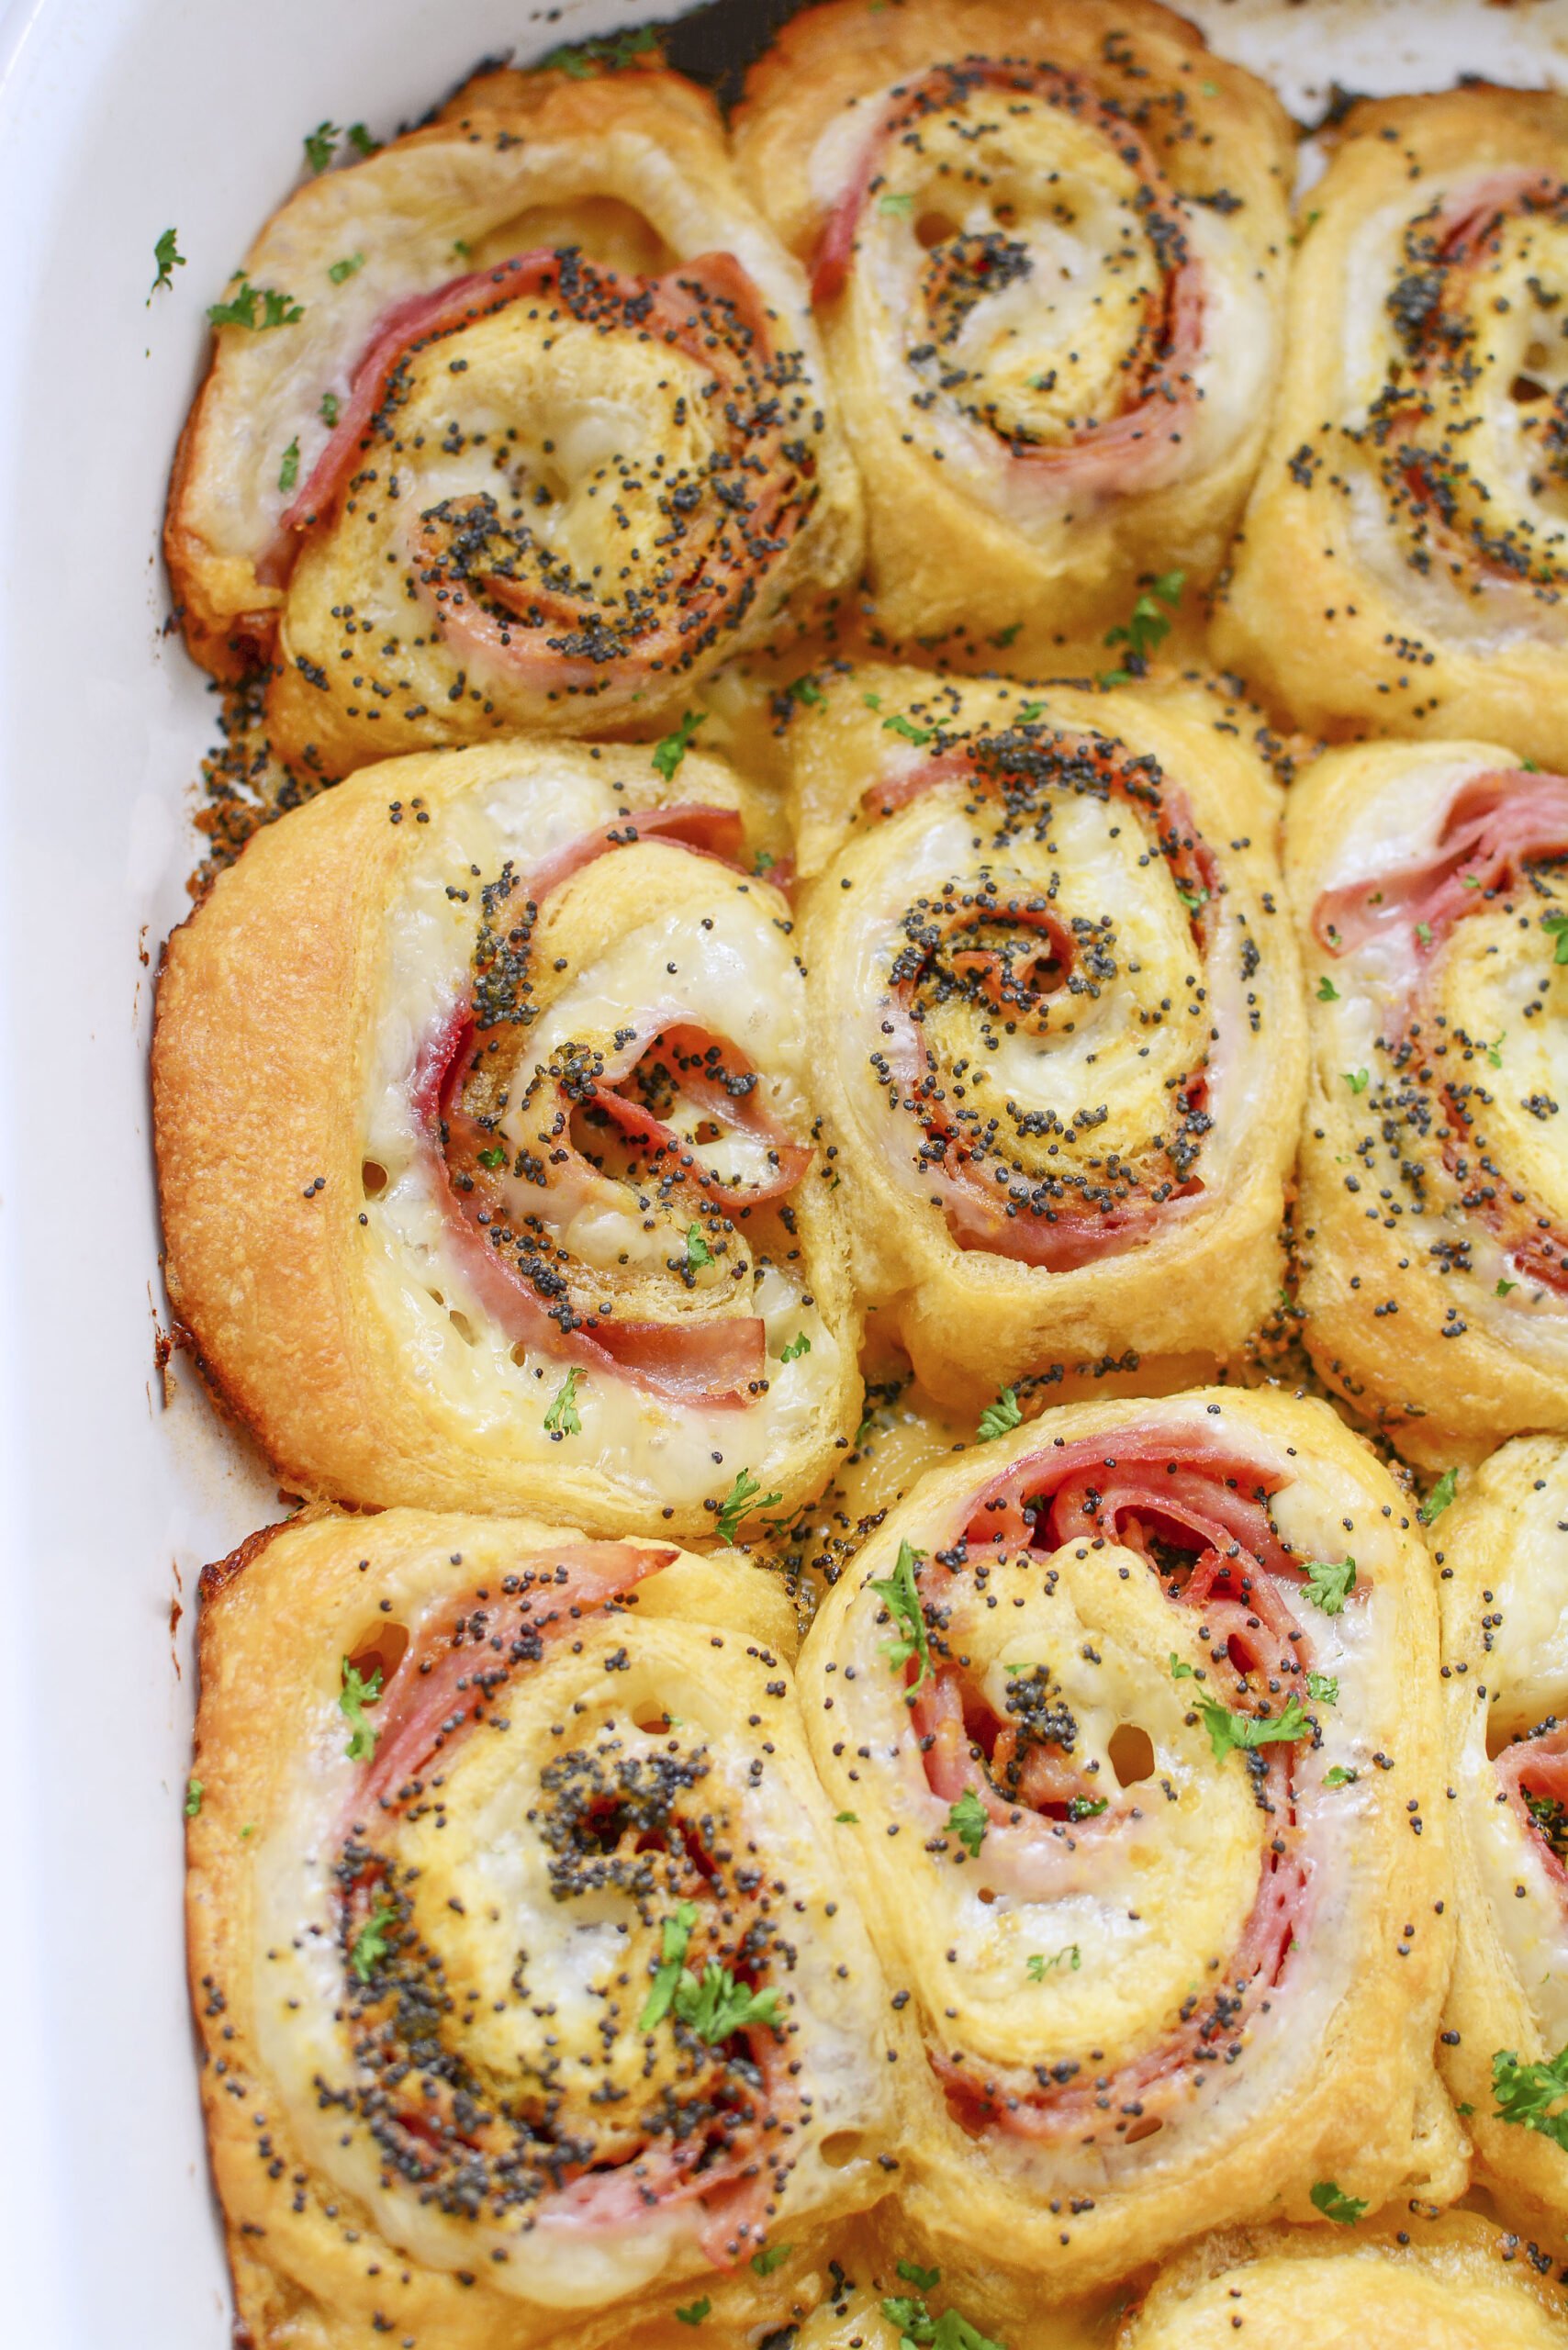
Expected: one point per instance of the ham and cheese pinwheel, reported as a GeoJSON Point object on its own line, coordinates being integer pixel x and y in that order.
{"type": "Point", "coordinates": [1055, 1022]}
{"type": "Point", "coordinates": [520, 423]}
{"type": "Point", "coordinates": [1405, 556]}
{"type": "Point", "coordinates": [1502, 1554]}
{"type": "Point", "coordinates": [1432, 893]}
{"type": "Point", "coordinates": [1047, 249]}
{"type": "Point", "coordinates": [530, 1999]}
{"type": "Point", "coordinates": [1136, 1712]}
{"type": "Point", "coordinates": [486, 1157]}
{"type": "Point", "coordinates": [1418, 2281]}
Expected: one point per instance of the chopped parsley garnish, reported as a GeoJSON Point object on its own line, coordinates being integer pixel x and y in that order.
{"type": "Point", "coordinates": [1326, 991]}
{"type": "Point", "coordinates": [1087, 1806]}
{"type": "Point", "coordinates": [360, 139]}
{"type": "Point", "coordinates": [1503, 1288]}
{"type": "Point", "coordinates": [899, 206]}
{"type": "Point", "coordinates": [1550, 1818]}
{"type": "Point", "coordinates": [1193, 900]}
{"type": "Point", "coordinates": [998, 1418]}
{"type": "Point", "coordinates": [357, 1692]}
{"type": "Point", "coordinates": [371, 1943]}
{"type": "Point", "coordinates": [924, 2280]}
{"type": "Point", "coordinates": [1494, 1052]}
{"type": "Point", "coordinates": [763, 862]}
{"type": "Point", "coordinates": [1329, 1582]}
{"type": "Point", "coordinates": [1356, 1079]}
{"type": "Point", "coordinates": [738, 1500]}
{"type": "Point", "coordinates": [807, 689]}
{"type": "Point", "coordinates": [847, 1820]}
{"type": "Point", "coordinates": [719, 2006]}
{"type": "Point", "coordinates": [695, 2311]}
{"type": "Point", "coordinates": [676, 1937]}
{"type": "Point", "coordinates": [169, 258]}
{"type": "Point", "coordinates": [193, 1792]}
{"type": "Point", "coordinates": [798, 1345]}
{"type": "Point", "coordinates": [1424, 933]}
{"type": "Point", "coordinates": [1338, 1777]}
{"type": "Point", "coordinates": [901, 1595]}
{"type": "Point", "coordinates": [1526, 2093]}
{"type": "Point", "coordinates": [899, 724]}
{"type": "Point", "coordinates": [321, 145]}
{"type": "Point", "coordinates": [288, 472]}
{"type": "Point", "coordinates": [1231, 1732]}
{"type": "Point", "coordinates": [1180, 1672]}
{"type": "Point", "coordinates": [1039, 1967]}
{"type": "Point", "coordinates": [918, 2330]}
{"type": "Point", "coordinates": [495, 1158]}
{"type": "Point", "coordinates": [349, 266]}
{"type": "Point", "coordinates": [1146, 628]}
{"type": "Point", "coordinates": [582, 61]}
{"type": "Point", "coordinates": [1005, 636]}
{"type": "Point", "coordinates": [1323, 1688]}
{"type": "Point", "coordinates": [1557, 927]}
{"type": "Point", "coordinates": [967, 1821]}
{"type": "Point", "coordinates": [670, 752]}
{"type": "Point", "coordinates": [1030, 712]}
{"type": "Point", "coordinates": [563, 1418]}
{"type": "Point", "coordinates": [697, 1252]}
{"type": "Point", "coordinates": [1443, 1492]}
{"type": "Point", "coordinates": [770, 2257]}
{"type": "Point", "coordinates": [328, 408]}
{"type": "Point", "coordinates": [1344, 2208]}
{"type": "Point", "coordinates": [256, 307]}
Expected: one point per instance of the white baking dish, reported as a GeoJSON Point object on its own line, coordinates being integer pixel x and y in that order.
{"type": "Point", "coordinates": [119, 119]}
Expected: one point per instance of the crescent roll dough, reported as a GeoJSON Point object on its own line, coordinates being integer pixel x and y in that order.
{"type": "Point", "coordinates": [1047, 250]}
{"type": "Point", "coordinates": [1404, 555]}
{"type": "Point", "coordinates": [519, 423]}
{"type": "Point", "coordinates": [1137, 1711]}
{"type": "Point", "coordinates": [1503, 1586]}
{"type": "Point", "coordinates": [487, 1157]}
{"type": "Point", "coordinates": [1433, 1220]}
{"type": "Point", "coordinates": [532, 2002]}
{"type": "Point", "coordinates": [1055, 1022]}
{"type": "Point", "coordinates": [1445, 2282]}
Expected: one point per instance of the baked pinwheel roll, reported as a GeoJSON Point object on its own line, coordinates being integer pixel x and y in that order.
{"type": "Point", "coordinates": [1502, 1550]}
{"type": "Point", "coordinates": [528, 1990]}
{"type": "Point", "coordinates": [1048, 257]}
{"type": "Point", "coordinates": [1055, 1022]}
{"type": "Point", "coordinates": [1446, 2282]}
{"type": "Point", "coordinates": [1136, 1712]}
{"type": "Point", "coordinates": [1431, 895]}
{"type": "Point", "coordinates": [1406, 552]}
{"type": "Point", "coordinates": [487, 1161]}
{"type": "Point", "coordinates": [520, 423]}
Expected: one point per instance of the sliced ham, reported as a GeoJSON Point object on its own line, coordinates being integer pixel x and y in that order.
{"type": "Point", "coordinates": [1494, 824]}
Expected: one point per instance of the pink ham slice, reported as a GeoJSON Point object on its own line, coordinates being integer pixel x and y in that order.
{"type": "Point", "coordinates": [1494, 823]}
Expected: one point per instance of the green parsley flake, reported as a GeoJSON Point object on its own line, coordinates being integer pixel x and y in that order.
{"type": "Point", "coordinates": [918, 2330]}
{"type": "Point", "coordinates": [798, 1345]}
{"type": "Point", "coordinates": [1146, 629]}
{"type": "Point", "coordinates": [967, 1821]}
{"type": "Point", "coordinates": [1556, 925]}
{"type": "Point", "coordinates": [807, 689]}
{"type": "Point", "coordinates": [1424, 933]}
{"type": "Point", "coordinates": [898, 206]}
{"type": "Point", "coordinates": [349, 266]}
{"type": "Point", "coordinates": [924, 2280]}
{"type": "Point", "coordinates": [899, 724]}
{"type": "Point", "coordinates": [276, 310]}
{"type": "Point", "coordinates": [563, 1418]}
{"type": "Point", "coordinates": [1180, 1672]}
{"type": "Point", "coordinates": [718, 2006]}
{"type": "Point", "coordinates": [1356, 1079]}
{"type": "Point", "coordinates": [495, 1158]}
{"type": "Point", "coordinates": [738, 1500]}
{"type": "Point", "coordinates": [695, 2311]}
{"type": "Point", "coordinates": [1338, 1777]}
{"type": "Point", "coordinates": [1087, 1808]}
{"type": "Point", "coordinates": [846, 1818]}
{"type": "Point", "coordinates": [1504, 1287]}
{"type": "Point", "coordinates": [1323, 1688]}
{"type": "Point", "coordinates": [329, 409]}
{"type": "Point", "coordinates": [371, 1943]}
{"type": "Point", "coordinates": [1344, 2208]}
{"type": "Point", "coordinates": [1443, 1492]}
{"type": "Point", "coordinates": [668, 754]}
{"type": "Point", "coordinates": [288, 472]}
{"type": "Point", "coordinates": [193, 1792]}
{"type": "Point", "coordinates": [321, 145]}
{"type": "Point", "coordinates": [357, 1693]}
{"type": "Point", "coordinates": [1329, 1582]}
{"type": "Point", "coordinates": [360, 139]}
{"type": "Point", "coordinates": [169, 258]}
{"type": "Point", "coordinates": [697, 1252]}
{"type": "Point", "coordinates": [998, 1418]}
{"type": "Point", "coordinates": [901, 1595]}
{"type": "Point", "coordinates": [1233, 1733]}
{"type": "Point", "coordinates": [770, 2257]}
{"type": "Point", "coordinates": [1030, 712]}
{"type": "Point", "coordinates": [1039, 1967]}
{"type": "Point", "coordinates": [582, 61]}
{"type": "Point", "coordinates": [1526, 2093]}
{"type": "Point", "coordinates": [676, 1937]}
{"type": "Point", "coordinates": [1326, 991]}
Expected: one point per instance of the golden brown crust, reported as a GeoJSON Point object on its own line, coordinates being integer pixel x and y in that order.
{"type": "Point", "coordinates": [1357, 602]}
{"type": "Point", "coordinates": [276, 997]}
{"type": "Point", "coordinates": [311, 2261]}
{"type": "Point", "coordinates": [967, 534]}
{"type": "Point", "coordinates": [1418, 1311]}
{"type": "Point", "coordinates": [1096, 1067]}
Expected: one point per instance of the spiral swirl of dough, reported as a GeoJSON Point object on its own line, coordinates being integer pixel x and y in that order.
{"type": "Point", "coordinates": [1434, 1200]}
{"type": "Point", "coordinates": [1049, 266]}
{"type": "Point", "coordinates": [488, 1070]}
{"type": "Point", "coordinates": [517, 1932]}
{"type": "Point", "coordinates": [1125, 1705]}
{"type": "Point", "coordinates": [1055, 1021]}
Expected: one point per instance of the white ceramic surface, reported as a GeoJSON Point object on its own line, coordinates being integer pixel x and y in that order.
{"type": "Point", "coordinates": [119, 119]}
